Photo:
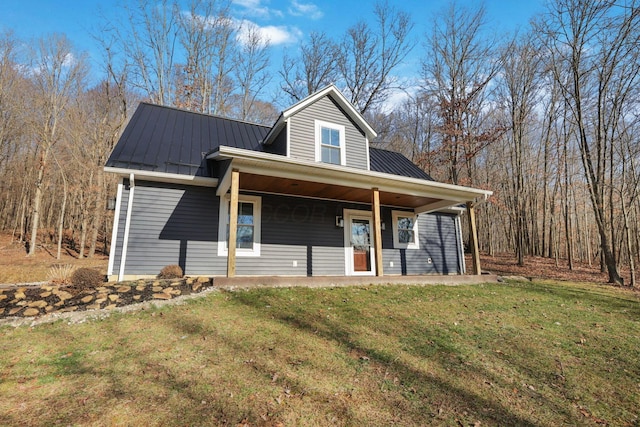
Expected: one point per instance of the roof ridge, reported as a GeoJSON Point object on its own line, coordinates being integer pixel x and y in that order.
{"type": "Point", "coordinates": [216, 116]}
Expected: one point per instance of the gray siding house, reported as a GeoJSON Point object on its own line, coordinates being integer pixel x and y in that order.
{"type": "Point", "coordinates": [305, 197]}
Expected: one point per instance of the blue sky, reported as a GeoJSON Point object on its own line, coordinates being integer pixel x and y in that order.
{"type": "Point", "coordinates": [285, 22]}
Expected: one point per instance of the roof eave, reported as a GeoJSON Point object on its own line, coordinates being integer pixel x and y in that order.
{"type": "Point", "coordinates": [274, 131]}
{"type": "Point", "coordinates": [173, 178]}
{"type": "Point", "coordinates": [276, 165]}
{"type": "Point", "coordinates": [338, 96]}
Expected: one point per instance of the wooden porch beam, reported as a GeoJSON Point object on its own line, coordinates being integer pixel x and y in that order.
{"type": "Point", "coordinates": [224, 184]}
{"type": "Point", "coordinates": [377, 230]}
{"type": "Point", "coordinates": [473, 239]}
{"type": "Point", "coordinates": [434, 206]}
{"type": "Point", "coordinates": [233, 223]}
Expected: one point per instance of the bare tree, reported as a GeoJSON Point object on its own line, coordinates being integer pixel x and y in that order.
{"type": "Point", "coordinates": [368, 56]}
{"type": "Point", "coordinates": [15, 147]}
{"type": "Point", "coordinates": [9, 94]}
{"type": "Point", "coordinates": [58, 76]}
{"type": "Point", "coordinates": [315, 68]}
{"type": "Point", "coordinates": [149, 44]}
{"type": "Point", "coordinates": [519, 88]}
{"type": "Point", "coordinates": [410, 129]}
{"type": "Point", "coordinates": [459, 65]}
{"type": "Point", "coordinates": [251, 69]}
{"type": "Point", "coordinates": [207, 34]}
{"type": "Point", "coordinates": [593, 47]}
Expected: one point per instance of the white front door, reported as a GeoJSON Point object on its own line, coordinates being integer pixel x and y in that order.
{"type": "Point", "coordinates": [359, 250]}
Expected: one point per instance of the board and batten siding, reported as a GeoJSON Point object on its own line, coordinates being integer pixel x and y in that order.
{"type": "Point", "coordinates": [299, 238]}
{"type": "Point", "coordinates": [172, 224]}
{"type": "Point", "coordinates": [178, 224]}
{"type": "Point", "coordinates": [302, 133]}
{"type": "Point", "coordinates": [439, 238]}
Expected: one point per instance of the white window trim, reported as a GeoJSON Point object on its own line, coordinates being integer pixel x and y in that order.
{"type": "Point", "coordinates": [396, 241]}
{"type": "Point", "coordinates": [222, 226]}
{"type": "Point", "coordinates": [319, 124]}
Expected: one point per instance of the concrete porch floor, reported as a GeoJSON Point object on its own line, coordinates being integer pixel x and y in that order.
{"type": "Point", "coordinates": [335, 281]}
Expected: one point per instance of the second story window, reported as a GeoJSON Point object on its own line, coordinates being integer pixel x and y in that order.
{"type": "Point", "coordinates": [330, 146]}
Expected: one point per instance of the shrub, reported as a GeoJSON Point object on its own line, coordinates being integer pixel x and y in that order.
{"type": "Point", "coordinates": [84, 278]}
{"type": "Point", "coordinates": [60, 274]}
{"type": "Point", "coordinates": [171, 272]}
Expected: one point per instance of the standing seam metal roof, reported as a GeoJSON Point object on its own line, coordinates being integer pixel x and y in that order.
{"type": "Point", "coordinates": [171, 140]}
{"type": "Point", "coordinates": [166, 139]}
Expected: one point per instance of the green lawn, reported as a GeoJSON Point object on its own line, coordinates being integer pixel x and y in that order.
{"type": "Point", "coordinates": [524, 354]}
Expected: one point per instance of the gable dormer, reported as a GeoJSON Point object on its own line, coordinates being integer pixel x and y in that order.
{"type": "Point", "coordinates": [324, 128]}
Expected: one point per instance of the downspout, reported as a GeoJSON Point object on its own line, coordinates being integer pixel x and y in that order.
{"type": "Point", "coordinates": [127, 226]}
{"type": "Point", "coordinates": [463, 263]}
{"type": "Point", "coordinates": [114, 231]}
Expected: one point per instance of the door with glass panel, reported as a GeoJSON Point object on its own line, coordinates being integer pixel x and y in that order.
{"type": "Point", "coordinates": [360, 240]}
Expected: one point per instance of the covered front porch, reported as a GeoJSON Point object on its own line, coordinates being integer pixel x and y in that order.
{"type": "Point", "coordinates": [256, 172]}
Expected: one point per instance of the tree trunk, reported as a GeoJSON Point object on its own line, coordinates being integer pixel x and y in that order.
{"type": "Point", "coordinates": [37, 201]}
{"type": "Point", "coordinates": [61, 220]}
{"type": "Point", "coordinates": [627, 233]}
{"type": "Point", "coordinates": [98, 214]}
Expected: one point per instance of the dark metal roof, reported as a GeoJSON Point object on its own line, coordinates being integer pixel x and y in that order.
{"type": "Point", "coordinates": [171, 140]}
{"type": "Point", "coordinates": [165, 139]}
{"type": "Point", "coordinates": [395, 164]}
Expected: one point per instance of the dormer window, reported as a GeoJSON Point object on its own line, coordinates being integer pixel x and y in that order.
{"type": "Point", "coordinates": [330, 145]}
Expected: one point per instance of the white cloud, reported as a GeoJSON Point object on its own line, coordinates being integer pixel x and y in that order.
{"type": "Point", "coordinates": [49, 63]}
{"type": "Point", "coordinates": [276, 35]}
{"type": "Point", "coordinates": [305, 9]}
{"type": "Point", "coordinates": [256, 8]}
{"type": "Point", "coordinates": [398, 97]}
{"type": "Point", "coordinates": [69, 60]}
{"type": "Point", "coordinates": [281, 35]}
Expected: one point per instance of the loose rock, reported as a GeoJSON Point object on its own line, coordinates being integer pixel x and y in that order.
{"type": "Point", "coordinates": [37, 304]}
{"type": "Point", "coordinates": [31, 312]}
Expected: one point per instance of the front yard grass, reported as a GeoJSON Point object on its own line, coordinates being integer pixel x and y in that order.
{"type": "Point", "coordinates": [517, 353]}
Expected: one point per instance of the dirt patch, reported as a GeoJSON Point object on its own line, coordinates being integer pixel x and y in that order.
{"type": "Point", "coordinates": [17, 267]}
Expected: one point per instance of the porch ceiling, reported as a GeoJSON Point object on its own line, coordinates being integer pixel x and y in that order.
{"type": "Point", "coordinates": [297, 187]}
{"type": "Point", "coordinates": [265, 172]}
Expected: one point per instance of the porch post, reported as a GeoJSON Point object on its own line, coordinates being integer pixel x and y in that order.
{"type": "Point", "coordinates": [233, 223]}
{"type": "Point", "coordinates": [377, 233]}
{"type": "Point", "coordinates": [473, 239]}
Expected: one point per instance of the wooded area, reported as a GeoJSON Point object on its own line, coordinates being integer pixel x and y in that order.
{"type": "Point", "coordinates": [545, 118]}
